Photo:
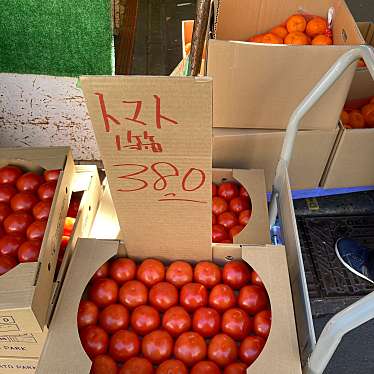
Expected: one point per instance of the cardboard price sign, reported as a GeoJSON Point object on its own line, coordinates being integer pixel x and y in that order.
{"type": "Point", "coordinates": [155, 139]}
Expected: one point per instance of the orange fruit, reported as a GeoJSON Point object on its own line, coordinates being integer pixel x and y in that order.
{"type": "Point", "coordinates": [368, 113]}
{"type": "Point", "coordinates": [256, 39]}
{"type": "Point", "coordinates": [356, 119]}
{"type": "Point", "coordinates": [322, 40]}
{"type": "Point", "coordinates": [296, 23]}
{"type": "Point", "coordinates": [316, 26]}
{"type": "Point", "coordinates": [280, 31]}
{"type": "Point", "coordinates": [344, 117]}
{"type": "Point", "coordinates": [272, 39]}
{"type": "Point", "coordinates": [297, 38]}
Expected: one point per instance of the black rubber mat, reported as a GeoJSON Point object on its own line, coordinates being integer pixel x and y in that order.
{"type": "Point", "coordinates": [331, 286]}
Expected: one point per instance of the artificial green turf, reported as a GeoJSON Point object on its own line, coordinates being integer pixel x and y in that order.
{"type": "Point", "coordinates": [56, 37]}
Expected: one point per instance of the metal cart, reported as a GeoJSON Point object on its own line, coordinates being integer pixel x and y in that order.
{"type": "Point", "coordinates": [315, 355]}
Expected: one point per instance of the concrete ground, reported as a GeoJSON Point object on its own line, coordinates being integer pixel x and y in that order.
{"type": "Point", "coordinates": [157, 52]}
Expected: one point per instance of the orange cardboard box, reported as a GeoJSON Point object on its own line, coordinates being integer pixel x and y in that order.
{"type": "Point", "coordinates": [260, 85]}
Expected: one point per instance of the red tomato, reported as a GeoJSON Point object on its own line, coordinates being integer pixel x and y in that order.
{"type": "Point", "coordinates": [29, 182]}
{"type": "Point", "coordinates": [145, 319]}
{"type": "Point", "coordinates": [262, 323]}
{"type": "Point", "coordinates": [206, 322]}
{"type": "Point", "coordinates": [36, 230]}
{"type": "Point", "coordinates": [250, 348]}
{"type": "Point", "coordinates": [113, 318]}
{"type": "Point", "coordinates": [6, 193]}
{"type": "Point", "coordinates": [219, 205]}
{"type": "Point", "coordinates": [9, 174]}
{"type": "Point", "coordinates": [243, 192]}
{"type": "Point", "coordinates": [47, 190]}
{"type": "Point", "coordinates": [123, 345]}
{"type": "Point", "coordinates": [17, 223]}
{"type": "Point", "coordinates": [94, 340]}
{"type": "Point", "coordinates": [103, 292]}
{"type": "Point", "coordinates": [205, 367]}
{"type": "Point", "coordinates": [74, 204]}
{"type": "Point", "coordinates": [219, 234]}
{"type": "Point", "coordinates": [163, 296]}
{"type": "Point", "coordinates": [190, 348]}
{"type": "Point", "coordinates": [214, 219]}
{"type": "Point", "coordinates": [214, 190]}
{"type": "Point", "coordinates": [176, 320]}
{"type": "Point", "coordinates": [51, 175]}
{"type": "Point", "coordinates": [236, 368]}
{"type": "Point", "coordinates": [6, 263]}
{"type": "Point", "coordinates": [29, 251]}
{"type": "Point", "coordinates": [193, 296]}
{"type": "Point", "coordinates": [236, 274]}
{"type": "Point", "coordinates": [23, 202]}
{"type": "Point", "coordinates": [235, 230]}
{"type": "Point", "coordinates": [222, 297]}
{"type": "Point", "coordinates": [238, 204]}
{"type": "Point", "coordinates": [157, 346]}
{"type": "Point", "coordinates": [253, 299]}
{"type": "Point", "coordinates": [103, 364]}
{"type": "Point", "coordinates": [137, 365]}
{"type": "Point", "coordinates": [228, 190]}
{"type": "Point", "coordinates": [172, 367]}
{"type": "Point", "coordinates": [64, 243]}
{"type": "Point", "coordinates": [222, 350]}
{"type": "Point", "coordinates": [68, 226]}
{"type": "Point", "coordinates": [9, 245]}
{"type": "Point", "coordinates": [207, 273]}
{"type": "Point", "coordinates": [226, 241]}
{"type": "Point", "coordinates": [101, 272]}
{"type": "Point", "coordinates": [132, 294]}
{"type": "Point", "coordinates": [88, 314]}
{"type": "Point", "coordinates": [4, 211]}
{"type": "Point", "coordinates": [256, 280]}
{"type": "Point", "coordinates": [150, 272]}
{"type": "Point", "coordinates": [227, 220]}
{"type": "Point", "coordinates": [236, 323]}
{"type": "Point", "coordinates": [41, 209]}
{"type": "Point", "coordinates": [244, 217]}
{"type": "Point", "coordinates": [179, 273]}
{"type": "Point", "coordinates": [122, 270]}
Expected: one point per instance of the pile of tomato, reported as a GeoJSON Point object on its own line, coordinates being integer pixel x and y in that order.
{"type": "Point", "coordinates": [25, 204]}
{"type": "Point", "coordinates": [147, 318]}
{"type": "Point", "coordinates": [231, 211]}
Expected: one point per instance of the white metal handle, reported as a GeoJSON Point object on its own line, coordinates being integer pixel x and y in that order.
{"type": "Point", "coordinates": [348, 319]}
{"type": "Point", "coordinates": [333, 74]}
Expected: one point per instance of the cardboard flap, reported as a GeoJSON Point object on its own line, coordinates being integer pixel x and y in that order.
{"type": "Point", "coordinates": [155, 138]}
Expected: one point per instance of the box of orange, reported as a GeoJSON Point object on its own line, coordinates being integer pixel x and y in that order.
{"type": "Point", "coordinates": [257, 84]}
{"type": "Point", "coordinates": [350, 163]}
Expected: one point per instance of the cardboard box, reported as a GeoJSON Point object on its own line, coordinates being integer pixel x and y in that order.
{"type": "Point", "coordinates": [257, 229]}
{"type": "Point", "coordinates": [351, 162]}
{"type": "Point", "coordinates": [280, 354]}
{"type": "Point", "coordinates": [30, 344]}
{"type": "Point", "coordinates": [260, 85]}
{"type": "Point", "coordinates": [18, 365]}
{"type": "Point", "coordinates": [25, 290]}
{"type": "Point", "coordinates": [260, 149]}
